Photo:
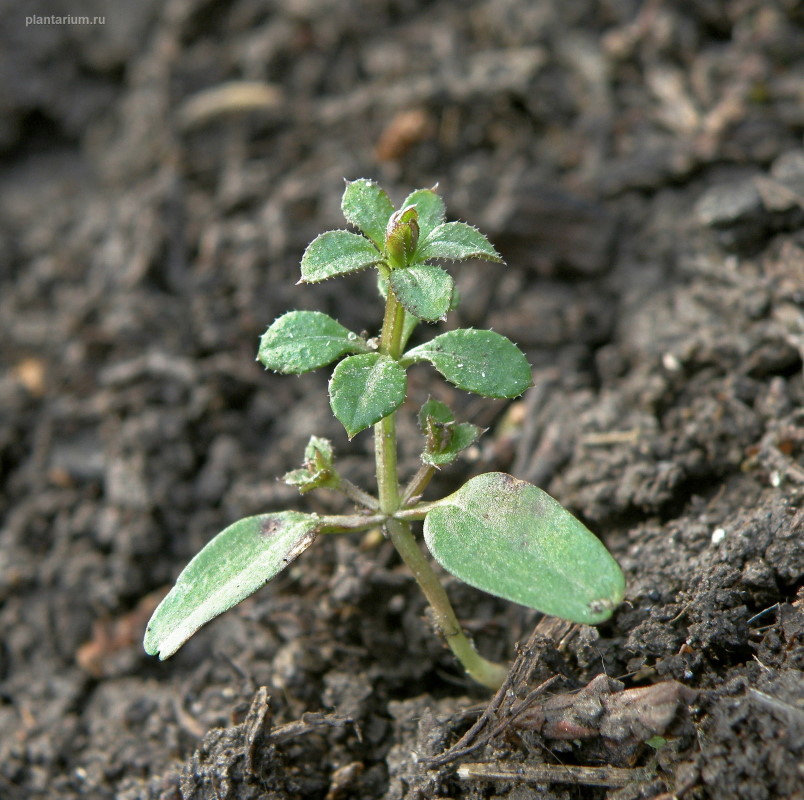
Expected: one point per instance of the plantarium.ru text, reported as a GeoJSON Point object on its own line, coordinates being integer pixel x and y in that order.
{"type": "Point", "coordinates": [496, 533]}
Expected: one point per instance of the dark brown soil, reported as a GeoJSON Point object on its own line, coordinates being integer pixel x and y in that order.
{"type": "Point", "coordinates": [639, 165]}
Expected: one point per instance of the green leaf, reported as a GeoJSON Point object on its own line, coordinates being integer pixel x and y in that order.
{"type": "Point", "coordinates": [304, 480]}
{"type": "Point", "coordinates": [513, 540]}
{"type": "Point", "coordinates": [435, 411]}
{"type": "Point", "coordinates": [366, 206]}
{"type": "Point", "coordinates": [430, 208]}
{"type": "Point", "coordinates": [444, 438]}
{"type": "Point", "coordinates": [410, 322]}
{"type": "Point", "coordinates": [456, 241]}
{"type": "Point", "coordinates": [464, 434]}
{"type": "Point", "coordinates": [319, 453]}
{"type": "Point", "coordinates": [317, 470]}
{"type": "Point", "coordinates": [456, 299]}
{"type": "Point", "coordinates": [425, 290]}
{"type": "Point", "coordinates": [656, 742]}
{"type": "Point", "coordinates": [366, 388]}
{"type": "Point", "coordinates": [477, 361]}
{"type": "Point", "coordinates": [408, 326]}
{"type": "Point", "coordinates": [237, 562]}
{"type": "Point", "coordinates": [300, 341]}
{"type": "Point", "coordinates": [337, 253]}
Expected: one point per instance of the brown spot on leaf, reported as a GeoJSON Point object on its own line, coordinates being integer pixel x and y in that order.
{"type": "Point", "coordinates": [270, 526]}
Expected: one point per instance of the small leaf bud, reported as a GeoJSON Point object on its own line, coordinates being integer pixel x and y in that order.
{"type": "Point", "coordinates": [402, 235]}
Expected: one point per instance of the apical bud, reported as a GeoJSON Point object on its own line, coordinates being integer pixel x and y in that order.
{"type": "Point", "coordinates": [402, 235]}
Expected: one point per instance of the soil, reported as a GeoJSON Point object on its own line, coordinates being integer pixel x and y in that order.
{"type": "Point", "coordinates": [640, 165]}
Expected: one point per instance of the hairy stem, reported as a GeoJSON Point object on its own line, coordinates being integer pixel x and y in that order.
{"type": "Point", "coordinates": [418, 483]}
{"type": "Point", "coordinates": [357, 495]}
{"type": "Point", "coordinates": [349, 523]}
{"type": "Point", "coordinates": [385, 429]}
{"type": "Point", "coordinates": [416, 512]}
{"type": "Point", "coordinates": [480, 669]}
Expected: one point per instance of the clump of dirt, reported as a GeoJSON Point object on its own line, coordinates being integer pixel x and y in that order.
{"type": "Point", "coordinates": [640, 167]}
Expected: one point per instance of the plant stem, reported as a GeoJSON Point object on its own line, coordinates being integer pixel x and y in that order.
{"type": "Point", "coordinates": [418, 483]}
{"type": "Point", "coordinates": [349, 523]}
{"type": "Point", "coordinates": [385, 460]}
{"type": "Point", "coordinates": [416, 512]}
{"type": "Point", "coordinates": [480, 669]}
{"type": "Point", "coordinates": [357, 495]}
{"type": "Point", "coordinates": [385, 429]}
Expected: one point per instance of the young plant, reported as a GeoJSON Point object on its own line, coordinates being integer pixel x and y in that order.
{"type": "Point", "coordinates": [496, 533]}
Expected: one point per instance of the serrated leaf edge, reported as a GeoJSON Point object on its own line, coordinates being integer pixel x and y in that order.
{"type": "Point", "coordinates": [380, 257]}
{"type": "Point", "coordinates": [382, 356]}
{"type": "Point", "coordinates": [369, 182]}
{"type": "Point", "coordinates": [472, 256]}
{"type": "Point", "coordinates": [359, 344]}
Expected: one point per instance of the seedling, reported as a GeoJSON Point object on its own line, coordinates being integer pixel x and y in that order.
{"type": "Point", "coordinates": [496, 533]}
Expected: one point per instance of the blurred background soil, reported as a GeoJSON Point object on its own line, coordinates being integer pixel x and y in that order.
{"type": "Point", "coordinates": [640, 166]}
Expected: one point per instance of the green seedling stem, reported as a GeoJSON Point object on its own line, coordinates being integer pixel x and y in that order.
{"type": "Point", "coordinates": [485, 672]}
